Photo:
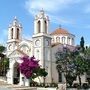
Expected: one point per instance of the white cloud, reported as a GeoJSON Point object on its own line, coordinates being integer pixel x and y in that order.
{"type": "Point", "coordinates": [59, 20]}
{"type": "Point", "coordinates": [51, 7]}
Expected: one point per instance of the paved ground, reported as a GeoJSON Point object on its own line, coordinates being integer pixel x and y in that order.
{"type": "Point", "coordinates": [5, 86]}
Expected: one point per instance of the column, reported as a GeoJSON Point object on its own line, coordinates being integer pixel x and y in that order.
{"type": "Point", "coordinates": [42, 26]}
{"type": "Point", "coordinates": [26, 82]}
{"type": "Point", "coordinates": [9, 33]}
{"type": "Point", "coordinates": [10, 72]}
{"type": "Point", "coordinates": [50, 66]}
{"type": "Point", "coordinates": [10, 76]}
{"type": "Point", "coordinates": [35, 27]}
{"type": "Point", "coordinates": [22, 81]}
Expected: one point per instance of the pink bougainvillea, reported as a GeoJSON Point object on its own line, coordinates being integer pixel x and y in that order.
{"type": "Point", "coordinates": [28, 65]}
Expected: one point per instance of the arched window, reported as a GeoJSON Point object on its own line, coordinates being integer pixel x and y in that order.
{"type": "Point", "coordinates": [12, 33]}
{"type": "Point", "coordinates": [72, 41]}
{"type": "Point", "coordinates": [68, 40]}
{"type": "Point", "coordinates": [57, 39]}
{"type": "Point", "coordinates": [17, 33]}
{"type": "Point", "coordinates": [45, 27]}
{"type": "Point", "coordinates": [63, 40]}
{"type": "Point", "coordinates": [39, 26]}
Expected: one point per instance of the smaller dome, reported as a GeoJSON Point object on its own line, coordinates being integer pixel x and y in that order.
{"type": "Point", "coordinates": [41, 14]}
{"type": "Point", "coordinates": [59, 31]}
{"type": "Point", "coordinates": [15, 22]}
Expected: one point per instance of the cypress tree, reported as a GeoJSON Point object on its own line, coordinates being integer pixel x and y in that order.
{"type": "Point", "coordinates": [82, 43]}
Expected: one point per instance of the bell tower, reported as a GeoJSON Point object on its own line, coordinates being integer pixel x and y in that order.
{"type": "Point", "coordinates": [14, 35]}
{"type": "Point", "coordinates": [41, 23]}
{"type": "Point", "coordinates": [42, 43]}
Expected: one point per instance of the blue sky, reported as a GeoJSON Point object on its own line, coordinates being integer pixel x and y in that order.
{"type": "Point", "coordinates": [73, 15]}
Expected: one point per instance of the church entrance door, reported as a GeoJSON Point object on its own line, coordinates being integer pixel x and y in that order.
{"type": "Point", "coordinates": [16, 74]}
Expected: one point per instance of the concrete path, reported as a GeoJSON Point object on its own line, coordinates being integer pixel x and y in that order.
{"type": "Point", "coordinates": [5, 86]}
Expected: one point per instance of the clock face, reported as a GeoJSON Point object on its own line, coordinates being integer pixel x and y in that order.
{"type": "Point", "coordinates": [37, 42]}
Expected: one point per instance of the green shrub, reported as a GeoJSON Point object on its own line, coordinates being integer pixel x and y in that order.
{"type": "Point", "coordinates": [85, 86]}
{"type": "Point", "coordinates": [76, 85]}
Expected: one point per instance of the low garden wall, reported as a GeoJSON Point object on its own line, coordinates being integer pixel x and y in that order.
{"type": "Point", "coordinates": [46, 88]}
{"type": "Point", "coordinates": [76, 89]}
{"type": "Point", "coordinates": [60, 86]}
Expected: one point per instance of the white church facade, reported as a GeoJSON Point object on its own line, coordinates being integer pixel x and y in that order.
{"type": "Point", "coordinates": [43, 46]}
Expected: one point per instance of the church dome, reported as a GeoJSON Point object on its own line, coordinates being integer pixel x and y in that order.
{"type": "Point", "coordinates": [59, 31]}
{"type": "Point", "coordinates": [15, 22]}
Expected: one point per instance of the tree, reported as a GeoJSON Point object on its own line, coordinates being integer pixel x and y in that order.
{"type": "Point", "coordinates": [5, 65]}
{"type": "Point", "coordinates": [81, 66]}
{"type": "Point", "coordinates": [80, 61]}
{"type": "Point", "coordinates": [64, 64]}
{"type": "Point", "coordinates": [4, 62]}
{"type": "Point", "coordinates": [2, 48]}
{"type": "Point", "coordinates": [31, 69]}
{"type": "Point", "coordinates": [82, 44]}
{"type": "Point", "coordinates": [87, 57]}
{"type": "Point", "coordinates": [72, 63]}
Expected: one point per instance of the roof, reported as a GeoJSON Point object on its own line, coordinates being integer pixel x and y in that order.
{"type": "Point", "coordinates": [62, 45]}
{"type": "Point", "coordinates": [17, 50]}
{"type": "Point", "coordinates": [59, 31]}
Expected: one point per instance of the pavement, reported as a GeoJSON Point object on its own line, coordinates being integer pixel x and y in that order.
{"type": "Point", "coordinates": [5, 86]}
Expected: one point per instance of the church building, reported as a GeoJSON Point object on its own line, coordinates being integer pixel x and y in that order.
{"type": "Point", "coordinates": [43, 46]}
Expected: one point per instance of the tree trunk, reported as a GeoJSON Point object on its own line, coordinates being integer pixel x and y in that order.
{"type": "Point", "coordinates": [79, 78]}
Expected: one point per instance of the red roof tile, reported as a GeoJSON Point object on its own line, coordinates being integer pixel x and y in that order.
{"type": "Point", "coordinates": [60, 31]}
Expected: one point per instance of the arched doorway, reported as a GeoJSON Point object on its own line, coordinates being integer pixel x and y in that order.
{"type": "Point", "coordinates": [16, 74]}
{"type": "Point", "coordinates": [59, 77]}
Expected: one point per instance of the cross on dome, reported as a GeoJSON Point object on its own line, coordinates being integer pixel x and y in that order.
{"type": "Point", "coordinates": [42, 10]}
{"type": "Point", "coordinates": [15, 18]}
{"type": "Point", "coordinates": [16, 22]}
{"type": "Point", "coordinates": [60, 26]}
{"type": "Point", "coordinates": [41, 13]}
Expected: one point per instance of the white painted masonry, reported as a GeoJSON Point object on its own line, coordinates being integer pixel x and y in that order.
{"type": "Point", "coordinates": [41, 46]}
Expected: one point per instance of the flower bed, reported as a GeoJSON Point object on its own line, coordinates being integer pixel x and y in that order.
{"type": "Point", "coordinates": [46, 85]}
